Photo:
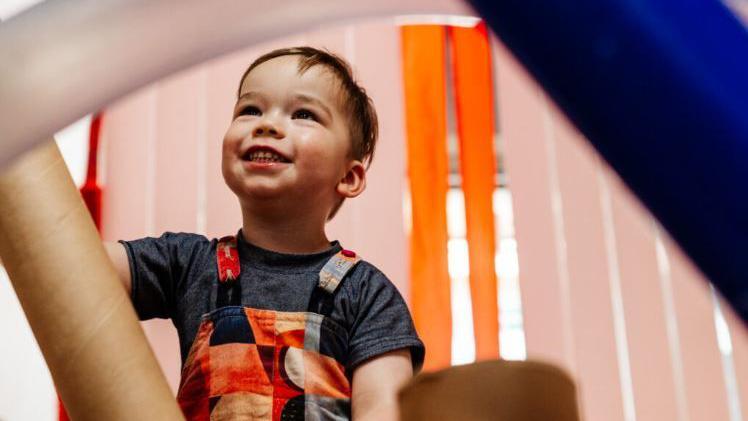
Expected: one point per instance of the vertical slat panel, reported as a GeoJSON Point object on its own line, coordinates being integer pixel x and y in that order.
{"type": "Point", "coordinates": [524, 135]}
{"type": "Point", "coordinates": [739, 341]}
{"type": "Point", "coordinates": [425, 110]}
{"type": "Point", "coordinates": [591, 311]}
{"type": "Point", "coordinates": [651, 369]}
{"type": "Point", "coordinates": [176, 153]}
{"type": "Point", "coordinates": [125, 148]}
{"type": "Point", "coordinates": [705, 392]}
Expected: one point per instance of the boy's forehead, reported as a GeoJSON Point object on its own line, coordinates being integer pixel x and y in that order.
{"type": "Point", "coordinates": [282, 74]}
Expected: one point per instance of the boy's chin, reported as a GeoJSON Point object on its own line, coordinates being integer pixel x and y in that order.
{"type": "Point", "coordinates": [253, 187]}
{"type": "Point", "coordinates": [259, 191]}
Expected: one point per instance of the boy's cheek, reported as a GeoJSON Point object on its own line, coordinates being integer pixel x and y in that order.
{"type": "Point", "coordinates": [231, 136]}
{"type": "Point", "coordinates": [235, 133]}
{"type": "Point", "coordinates": [230, 147]}
{"type": "Point", "coordinates": [227, 146]}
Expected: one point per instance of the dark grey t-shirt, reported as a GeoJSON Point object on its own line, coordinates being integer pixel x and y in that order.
{"type": "Point", "coordinates": [175, 276]}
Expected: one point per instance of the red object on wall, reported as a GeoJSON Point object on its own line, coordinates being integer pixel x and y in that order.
{"type": "Point", "coordinates": [63, 413]}
{"type": "Point", "coordinates": [91, 191]}
{"type": "Point", "coordinates": [471, 64]}
{"type": "Point", "coordinates": [423, 48]}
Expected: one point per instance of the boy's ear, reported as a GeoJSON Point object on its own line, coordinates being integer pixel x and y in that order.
{"type": "Point", "coordinates": [353, 182]}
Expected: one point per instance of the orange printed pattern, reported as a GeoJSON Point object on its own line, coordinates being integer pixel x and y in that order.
{"type": "Point", "coordinates": [264, 365]}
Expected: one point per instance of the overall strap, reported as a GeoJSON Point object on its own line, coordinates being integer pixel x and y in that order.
{"type": "Point", "coordinates": [332, 274]}
{"type": "Point", "coordinates": [335, 270]}
{"type": "Point", "coordinates": [227, 258]}
{"type": "Point", "coordinates": [229, 268]}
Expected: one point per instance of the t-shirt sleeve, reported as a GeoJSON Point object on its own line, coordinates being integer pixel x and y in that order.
{"type": "Point", "coordinates": [157, 267]}
{"type": "Point", "coordinates": [382, 322]}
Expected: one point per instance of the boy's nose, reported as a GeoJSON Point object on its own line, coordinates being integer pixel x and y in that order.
{"type": "Point", "coordinates": [267, 129]}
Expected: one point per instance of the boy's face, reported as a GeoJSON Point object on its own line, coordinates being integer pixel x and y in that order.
{"type": "Point", "coordinates": [289, 137]}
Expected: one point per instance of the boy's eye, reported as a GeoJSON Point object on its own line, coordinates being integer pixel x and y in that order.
{"type": "Point", "coordinates": [304, 114]}
{"type": "Point", "coordinates": [250, 110]}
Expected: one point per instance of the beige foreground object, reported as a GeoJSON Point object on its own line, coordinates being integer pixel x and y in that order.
{"type": "Point", "coordinates": [76, 306]}
{"type": "Point", "coordinates": [491, 390]}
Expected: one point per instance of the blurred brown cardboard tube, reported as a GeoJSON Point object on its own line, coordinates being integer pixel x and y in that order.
{"type": "Point", "coordinates": [491, 390]}
{"type": "Point", "coordinates": [76, 306]}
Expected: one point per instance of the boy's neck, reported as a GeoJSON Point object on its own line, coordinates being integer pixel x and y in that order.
{"type": "Point", "coordinates": [284, 234]}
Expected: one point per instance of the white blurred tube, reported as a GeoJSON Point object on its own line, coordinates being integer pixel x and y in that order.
{"type": "Point", "coordinates": [61, 60]}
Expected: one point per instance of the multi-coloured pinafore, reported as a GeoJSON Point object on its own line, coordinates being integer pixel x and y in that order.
{"type": "Point", "coordinates": [248, 363]}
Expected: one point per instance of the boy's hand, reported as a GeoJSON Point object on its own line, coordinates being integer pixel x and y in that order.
{"type": "Point", "coordinates": [376, 383]}
{"type": "Point", "coordinates": [118, 256]}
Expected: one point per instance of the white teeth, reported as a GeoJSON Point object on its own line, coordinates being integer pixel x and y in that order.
{"type": "Point", "coordinates": [265, 156]}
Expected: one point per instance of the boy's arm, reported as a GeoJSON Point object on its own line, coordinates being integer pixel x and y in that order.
{"type": "Point", "coordinates": [118, 256]}
{"type": "Point", "coordinates": [376, 383]}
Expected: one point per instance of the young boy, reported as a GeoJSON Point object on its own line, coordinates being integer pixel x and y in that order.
{"type": "Point", "coordinates": [278, 322]}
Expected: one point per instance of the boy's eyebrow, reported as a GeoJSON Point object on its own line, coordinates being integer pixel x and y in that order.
{"type": "Point", "coordinates": [248, 95]}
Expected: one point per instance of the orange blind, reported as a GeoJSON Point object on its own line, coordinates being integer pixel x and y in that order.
{"type": "Point", "coordinates": [474, 103]}
{"type": "Point", "coordinates": [425, 111]}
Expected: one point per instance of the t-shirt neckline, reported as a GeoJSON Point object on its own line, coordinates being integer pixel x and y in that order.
{"type": "Point", "coordinates": [283, 262]}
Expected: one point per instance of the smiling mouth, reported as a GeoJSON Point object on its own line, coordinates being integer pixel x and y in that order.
{"type": "Point", "coordinates": [264, 156]}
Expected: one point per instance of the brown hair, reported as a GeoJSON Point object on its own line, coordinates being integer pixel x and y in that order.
{"type": "Point", "coordinates": [362, 117]}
